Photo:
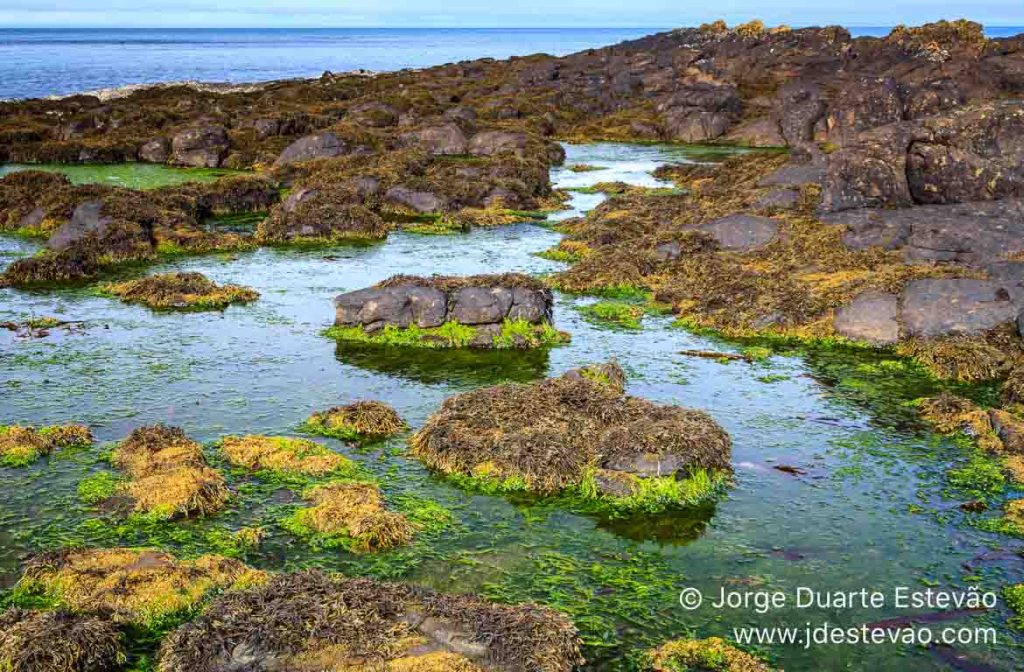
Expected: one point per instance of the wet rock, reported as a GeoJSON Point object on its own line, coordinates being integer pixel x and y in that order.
{"type": "Point", "coordinates": [700, 112]}
{"type": "Point", "coordinates": [936, 307]}
{"type": "Point", "coordinates": [1010, 429]}
{"type": "Point", "coordinates": [318, 146]}
{"type": "Point", "coordinates": [417, 201]}
{"type": "Point", "coordinates": [871, 317]}
{"type": "Point", "coordinates": [614, 483]}
{"type": "Point", "coordinates": [532, 305]}
{"type": "Point", "coordinates": [485, 335]}
{"type": "Point", "coordinates": [481, 305]}
{"type": "Point", "coordinates": [399, 306]}
{"type": "Point", "coordinates": [154, 151]}
{"type": "Point", "coordinates": [742, 232]}
{"type": "Point", "coordinates": [438, 140]}
{"type": "Point", "coordinates": [778, 199]}
{"type": "Point", "coordinates": [201, 146]}
{"type": "Point", "coordinates": [489, 143]}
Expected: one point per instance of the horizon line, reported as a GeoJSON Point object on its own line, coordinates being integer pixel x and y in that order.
{"type": "Point", "coordinates": [380, 27]}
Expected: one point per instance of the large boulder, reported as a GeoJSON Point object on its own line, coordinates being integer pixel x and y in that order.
{"type": "Point", "coordinates": [396, 306]}
{"type": "Point", "coordinates": [317, 146]}
{"type": "Point", "coordinates": [742, 232]}
{"type": "Point", "coordinates": [489, 143]}
{"type": "Point", "coordinates": [438, 140]}
{"type": "Point", "coordinates": [942, 306]}
{"type": "Point", "coordinates": [202, 146]}
{"type": "Point", "coordinates": [321, 214]}
{"type": "Point", "coordinates": [481, 305]}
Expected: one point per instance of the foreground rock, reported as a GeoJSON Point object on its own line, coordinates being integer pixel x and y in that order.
{"type": "Point", "coordinates": [311, 621]}
{"type": "Point", "coordinates": [57, 641]}
{"type": "Point", "coordinates": [181, 291]}
{"type": "Point", "coordinates": [483, 311]}
{"type": "Point", "coordinates": [580, 434]}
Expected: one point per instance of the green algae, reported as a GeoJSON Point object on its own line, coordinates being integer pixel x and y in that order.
{"type": "Point", "coordinates": [99, 487]}
{"type": "Point", "coordinates": [614, 313]}
{"type": "Point", "coordinates": [1014, 598]}
{"type": "Point", "coordinates": [513, 334]}
{"type": "Point", "coordinates": [130, 175]}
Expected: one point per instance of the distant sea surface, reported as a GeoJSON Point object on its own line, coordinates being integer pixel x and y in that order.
{"type": "Point", "coordinates": [35, 63]}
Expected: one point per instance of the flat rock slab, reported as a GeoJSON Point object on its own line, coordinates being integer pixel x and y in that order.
{"type": "Point", "coordinates": [872, 317]}
{"type": "Point", "coordinates": [941, 306]}
{"type": "Point", "coordinates": [778, 199]}
{"type": "Point", "coordinates": [742, 232]}
{"type": "Point", "coordinates": [967, 233]}
{"type": "Point", "coordinates": [793, 175]}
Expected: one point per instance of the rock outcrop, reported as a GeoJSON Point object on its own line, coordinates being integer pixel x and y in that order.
{"type": "Point", "coordinates": [487, 304]}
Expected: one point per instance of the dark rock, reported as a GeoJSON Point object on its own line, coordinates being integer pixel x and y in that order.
{"type": "Point", "coordinates": [864, 104]}
{"type": "Point", "coordinates": [1010, 429]}
{"type": "Point", "coordinates": [941, 306]}
{"type": "Point", "coordinates": [489, 143]}
{"type": "Point", "coordinates": [872, 172]}
{"type": "Point", "coordinates": [417, 201]}
{"type": "Point", "coordinates": [532, 305]}
{"type": "Point", "coordinates": [481, 305]}
{"type": "Point", "coordinates": [794, 175]}
{"type": "Point", "coordinates": [201, 146]}
{"type": "Point", "coordinates": [742, 232]}
{"type": "Point", "coordinates": [778, 199]}
{"type": "Point", "coordinates": [798, 108]}
{"type": "Point", "coordinates": [318, 146]}
{"type": "Point", "coordinates": [438, 140]}
{"type": "Point", "coordinates": [648, 465]}
{"type": "Point", "coordinates": [485, 335]}
{"type": "Point", "coordinates": [87, 220]}
{"type": "Point", "coordinates": [871, 317]}
{"type": "Point", "coordinates": [399, 306]}
{"type": "Point", "coordinates": [763, 132]}
{"type": "Point", "coordinates": [154, 151]}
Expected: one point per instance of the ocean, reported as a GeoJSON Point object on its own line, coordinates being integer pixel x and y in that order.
{"type": "Point", "coordinates": [36, 62]}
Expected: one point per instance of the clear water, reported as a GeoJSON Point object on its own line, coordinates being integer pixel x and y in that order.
{"type": "Point", "coordinates": [131, 175]}
{"type": "Point", "coordinates": [868, 512]}
{"type": "Point", "coordinates": [44, 62]}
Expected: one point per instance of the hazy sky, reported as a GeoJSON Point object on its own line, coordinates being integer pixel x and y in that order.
{"type": "Point", "coordinates": [477, 13]}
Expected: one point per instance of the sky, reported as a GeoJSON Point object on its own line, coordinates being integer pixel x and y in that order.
{"type": "Point", "coordinates": [483, 13]}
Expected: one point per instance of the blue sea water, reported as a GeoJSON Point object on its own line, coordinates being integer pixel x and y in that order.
{"type": "Point", "coordinates": [43, 62]}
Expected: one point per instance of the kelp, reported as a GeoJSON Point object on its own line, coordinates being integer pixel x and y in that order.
{"type": "Point", "coordinates": [361, 420]}
{"type": "Point", "coordinates": [180, 291]}
{"type": "Point", "coordinates": [58, 641]}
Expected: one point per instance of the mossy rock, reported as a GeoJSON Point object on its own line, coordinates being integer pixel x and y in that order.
{"type": "Point", "coordinates": [180, 291]}
{"type": "Point", "coordinates": [349, 515]}
{"type": "Point", "coordinates": [359, 421]}
{"type": "Point", "coordinates": [578, 435]}
{"type": "Point", "coordinates": [21, 446]}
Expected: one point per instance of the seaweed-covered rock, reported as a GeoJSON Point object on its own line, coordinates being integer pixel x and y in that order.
{"type": "Point", "coordinates": [181, 291]}
{"type": "Point", "coordinates": [360, 420]}
{"type": "Point", "coordinates": [704, 655]}
{"type": "Point", "coordinates": [283, 454]}
{"type": "Point", "coordinates": [321, 215]}
{"type": "Point", "coordinates": [168, 474]}
{"type": "Point", "coordinates": [438, 140]}
{"type": "Point", "coordinates": [21, 446]}
{"type": "Point", "coordinates": [139, 586]}
{"type": "Point", "coordinates": [577, 432]}
{"type": "Point", "coordinates": [318, 146]}
{"type": "Point", "coordinates": [201, 146]}
{"type": "Point", "coordinates": [57, 641]}
{"type": "Point", "coordinates": [352, 515]}
{"type": "Point", "coordinates": [508, 310]}
{"type": "Point", "coordinates": [312, 621]}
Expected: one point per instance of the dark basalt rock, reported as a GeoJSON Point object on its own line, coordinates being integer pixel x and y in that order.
{"type": "Point", "coordinates": [202, 146]}
{"type": "Point", "coordinates": [940, 306]}
{"type": "Point", "coordinates": [742, 232]}
{"type": "Point", "coordinates": [481, 301]}
{"type": "Point", "coordinates": [319, 146]}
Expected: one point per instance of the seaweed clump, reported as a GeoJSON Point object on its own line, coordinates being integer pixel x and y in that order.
{"type": "Point", "coordinates": [58, 641]}
{"type": "Point", "coordinates": [310, 621]}
{"type": "Point", "coordinates": [578, 433]}
{"type": "Point", "coordinates": [283, 455]}
{"type": "Point", "coordinates": [704, 655]}
{"type": "Point", "coordinates": [350, 515]}
{"type": "Point", "coordinates": [169, 475]}
{"type": "Point", "coordinates": [21, 446]}
{"type": "Point", "coordinates": [181, 291]}
{"type": "Point", "coordinates": [140, 586]}
{"type": "Point", "coordinates": [362, 420]}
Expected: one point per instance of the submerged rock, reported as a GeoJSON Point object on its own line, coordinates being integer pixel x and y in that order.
{"type": "Point", "coordinates": [311, 621]}
{"type": "Point", "coordinates": [508, 310]}
{"type": "Point", "coordinates": [362, 420]}
{"type": "Point", "coordinates": [580, 433]}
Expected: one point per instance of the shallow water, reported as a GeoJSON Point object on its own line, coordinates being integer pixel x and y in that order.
{"type": "Point", "coordinates": [868, 512]}
{"type": "Point", "coordinates": [131, 175]}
